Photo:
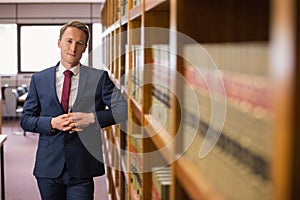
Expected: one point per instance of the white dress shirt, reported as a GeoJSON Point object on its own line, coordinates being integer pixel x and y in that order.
{"type": "Point", "coordinates": [74, 83]}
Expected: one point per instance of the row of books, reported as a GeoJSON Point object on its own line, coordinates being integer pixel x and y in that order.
{"type": "Point", "coordinates": [244, 57]}
{"type": "Point", "coordinates": [121, 9]}
{"type": "Point", "coordinates": [245, 137]}
{"type": "Point", "coordinates": [243, 146]}
{"type": "Point", "coordinates": [136, 72]}
{"type": "Point", "coordinates": [136, 2]}
{"type": "Point", "coordinates": [136, 164]}
{"type": "Point", "coordinates": [161, 81]}
{"type": "Point", "coordinates": [161, 182]}
{"type": "Point", "coordinates": [127, 63]}
{"type": "Point", "coordinates": [124, 7]}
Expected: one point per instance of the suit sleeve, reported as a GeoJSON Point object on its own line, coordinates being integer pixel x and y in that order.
{"type": "Point", "coordinates": [31, 120]}
{"type": "Point", "coordinates": [112, 97]}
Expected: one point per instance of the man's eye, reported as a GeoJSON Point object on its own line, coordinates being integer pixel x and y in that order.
{"type": "Point", "coordinates": [69, 41]}
{"type": "Point", "coordinates": [80, 43]}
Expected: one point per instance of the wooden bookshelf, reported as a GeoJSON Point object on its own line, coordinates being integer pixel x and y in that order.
{"type": "Point", "coordinates": [259, 139]}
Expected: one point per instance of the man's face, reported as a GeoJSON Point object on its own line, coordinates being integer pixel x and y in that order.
{"type": "Point", "coordinates": [72, 45]}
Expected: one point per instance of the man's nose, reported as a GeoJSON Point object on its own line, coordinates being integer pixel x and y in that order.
{"type": "Point", "coordinates": [73, 46]}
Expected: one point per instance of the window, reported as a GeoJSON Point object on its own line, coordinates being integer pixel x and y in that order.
{"type": "Point", "coordinates": [39, 47]}
{"type": "Point", "coordinates": [8, 50]}
{"type": "Point", "coordinates": [97, 46]}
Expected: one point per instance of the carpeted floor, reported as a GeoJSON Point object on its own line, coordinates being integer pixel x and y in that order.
{"type": "Point", "coordinates": [19, 154]}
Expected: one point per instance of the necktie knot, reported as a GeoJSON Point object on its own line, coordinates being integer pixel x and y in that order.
{"type": "Point", "coordinates": [68, 73]}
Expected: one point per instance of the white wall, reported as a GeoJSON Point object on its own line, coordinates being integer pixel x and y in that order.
{"type": "Point", "coordinates": [16, 80]}
{"type": "Point", "coordinates": [49, 13]}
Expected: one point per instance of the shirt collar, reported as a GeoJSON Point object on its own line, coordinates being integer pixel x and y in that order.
{"type": "Point", "coordinates": [74, 69]}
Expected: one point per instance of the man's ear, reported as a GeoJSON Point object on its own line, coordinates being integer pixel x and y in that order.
{"type": "Point", "coordinates": [58, 43]}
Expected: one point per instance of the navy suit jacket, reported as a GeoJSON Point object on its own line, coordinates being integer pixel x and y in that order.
{"type": "Point", "coordinates": [80, 153]}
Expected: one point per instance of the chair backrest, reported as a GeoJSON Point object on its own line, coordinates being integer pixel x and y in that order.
{"type": "Point", "coordinates": [21, 91]}
{"type": "Point", "coordinates": [25, 87]}
{"type": "Point", "coordinates": [10, 103]}
{"type": "Point", "coordinates": [3, 88]}
{"type": "Point", "coordinates": [17, 95]}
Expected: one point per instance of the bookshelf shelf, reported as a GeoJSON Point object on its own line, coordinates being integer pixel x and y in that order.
{"type": "Point", "coordinates": [124, 20]}
{"type": "Point", "coordinates": [124, 167]}
{"type": "Point", "coordinates": [111, 28]}
{"type": "Point", "coordinates": [117, 192]}
{"type": "Point", "coordinates": [259, 125]}
{"type": "Point", "coordinates": [136, 109]}
{"type": "Point", "coordinates": [198, 188]}
{"type": "Point", "coordinates": [152, 4]}
{"type": "Point", "coordinates": [136, 12]}
{"type": "Point", "coordinates": [160, 137]}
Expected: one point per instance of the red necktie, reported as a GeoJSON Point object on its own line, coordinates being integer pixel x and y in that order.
{"type": "Point", "coordinates": [66, 90]}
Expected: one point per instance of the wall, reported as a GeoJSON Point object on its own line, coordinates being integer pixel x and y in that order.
{"type": "Point", "coordinates": [48, 13]}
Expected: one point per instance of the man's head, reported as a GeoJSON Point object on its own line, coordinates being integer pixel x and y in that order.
{"type": "Point", "coordinates": [73, 41]}
{"type": "Point", "coordinates": [75, 24]}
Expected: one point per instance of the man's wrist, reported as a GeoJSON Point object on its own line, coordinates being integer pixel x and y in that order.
{"type": "Point", "coordinates": [52, 129]}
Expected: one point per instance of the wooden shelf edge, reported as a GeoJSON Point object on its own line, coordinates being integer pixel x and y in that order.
{"type": "Point", "coordinates": [160, 137]}
{"type": "Point", "coordinates": [117, 143]}
{"type": "Point", "coordinates": [113, 175]}
{"type": "Point", "coordinates": [193, 181]}
{"type": "Point", "coordinates": [111, 28]}
{"type": "Point", "coordinates": [108, 156]}
{"type": "Point", "coordinates": [106, 151]}
{"type": "Point", "coordinates": [136, 109]}
{"type": "Point", "coordinates": [150, 4]}
{"type": "Point", "coordinates": [136, 11]}
{"type": "Point", "coordinates": [124, 19]}
{"type": "Point", "coordinates": [107, 185]}
{"type": "Point", "coordinates": [117, 192]}
{"type": "Point", "coordinates": [125, 172]}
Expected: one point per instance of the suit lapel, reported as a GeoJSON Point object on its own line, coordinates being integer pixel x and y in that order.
{"type": "Point", "coordinates": [52, 84]}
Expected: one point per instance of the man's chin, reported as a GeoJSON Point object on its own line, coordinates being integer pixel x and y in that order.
{"type": "Point", "coordinates": [73, 63]}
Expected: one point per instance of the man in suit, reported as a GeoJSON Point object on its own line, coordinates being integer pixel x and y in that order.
{"type": "Point", "coordinates": [69, 150]}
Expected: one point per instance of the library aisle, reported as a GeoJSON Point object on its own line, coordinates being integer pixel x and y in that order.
{"type": "Point", "coordinates": [19, 154]}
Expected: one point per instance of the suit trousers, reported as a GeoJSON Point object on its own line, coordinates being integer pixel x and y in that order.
{"type": "Point", "coordinates": [66, 188]}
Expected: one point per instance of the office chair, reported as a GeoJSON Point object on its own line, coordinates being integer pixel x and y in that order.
{"type": "Point", "coordinates": [19, 105]}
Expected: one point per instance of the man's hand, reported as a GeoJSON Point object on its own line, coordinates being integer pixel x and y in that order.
{"type": "Point", "coordinates": [79, 120]}
{"type": "Point", "coordinates": [62, 122]}
{"type": "Point", "coordinates": [72, 122]}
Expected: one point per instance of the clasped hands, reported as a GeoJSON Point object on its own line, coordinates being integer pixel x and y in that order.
{"type": "Point", "coordinates": [72, 122]}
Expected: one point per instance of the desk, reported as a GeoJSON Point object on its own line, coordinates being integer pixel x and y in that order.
{"type": "Point", "coordinates": [2, 140]}
{"type": "Point", "coordinates": [23, 97]}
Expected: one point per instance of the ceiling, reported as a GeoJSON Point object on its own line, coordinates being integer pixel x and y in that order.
{"type": "Point", "coordinates": [52, 1]}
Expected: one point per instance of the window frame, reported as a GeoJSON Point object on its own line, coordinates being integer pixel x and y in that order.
{"type": "Point", "coordinates": [19, 25]}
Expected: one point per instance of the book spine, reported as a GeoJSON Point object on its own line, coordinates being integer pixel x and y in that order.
{"type": "Point", "coordinates": [136, 164]}
{"type": "Point", "coordinates": [243, 150]}
{"type": "Point", "coordinates": [161, 86]}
